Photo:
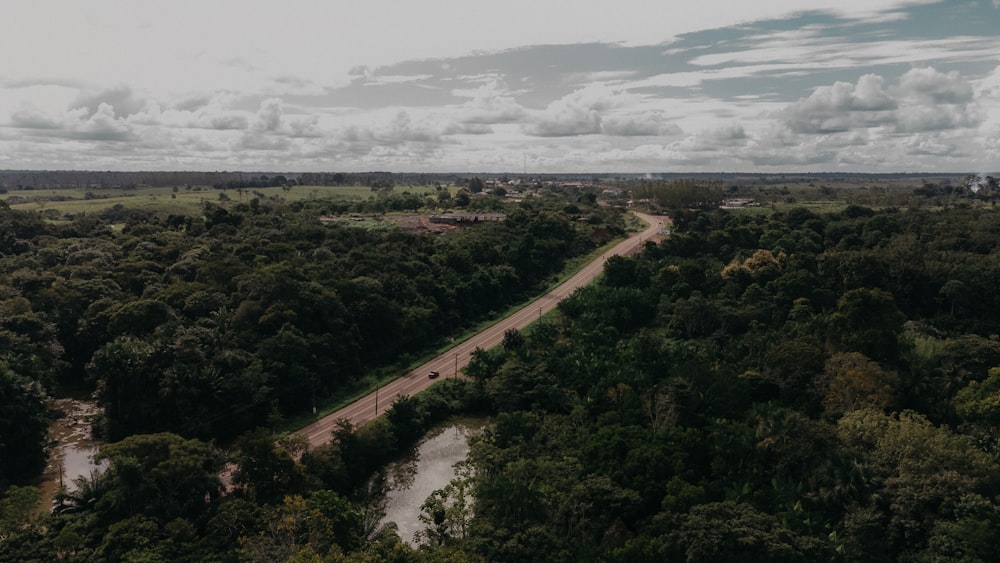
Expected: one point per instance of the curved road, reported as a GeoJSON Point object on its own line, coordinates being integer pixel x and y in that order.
{"type": "Point", "coordinates": [451, 362]}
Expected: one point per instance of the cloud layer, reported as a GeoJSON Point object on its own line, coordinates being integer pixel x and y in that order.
{"type": "Point", "coordinates": [909, 85]}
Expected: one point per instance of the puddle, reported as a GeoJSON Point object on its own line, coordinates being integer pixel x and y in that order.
{"type": "Point", "coordinates": [431, 467]}
{"type": "Point", "coordinates": [72, 454]}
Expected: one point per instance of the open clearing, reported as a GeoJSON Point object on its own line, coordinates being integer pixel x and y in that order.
{"type": "Point", "coordinates": [63, 202]}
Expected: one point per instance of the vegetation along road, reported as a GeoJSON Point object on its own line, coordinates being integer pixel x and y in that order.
{"type": "Point", "coordinates": [450, 363]}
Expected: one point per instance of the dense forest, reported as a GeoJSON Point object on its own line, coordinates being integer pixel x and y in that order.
{"type": "Point", "coordinates": [209, 326]}
{"type": "Point", "coordinates": [766, 386]}
{"type": "Point", "coordinates": [784, 387]}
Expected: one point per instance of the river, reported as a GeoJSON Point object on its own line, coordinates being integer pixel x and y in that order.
{"type": "Point", "coordinates": [72, 455]}
{"type": "Point", "coordinates": [429, 468]}
{"type": "Point", "coordinates": [411, 479]}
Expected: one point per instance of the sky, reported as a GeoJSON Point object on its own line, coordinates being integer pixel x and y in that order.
{"type": "Point", "coordinates": [535, 86]}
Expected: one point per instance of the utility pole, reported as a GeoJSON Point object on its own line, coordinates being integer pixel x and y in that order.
{"type": "Point", "coordinates": [456, 364]}
{"type": "Point", "coordinates": [376, 402]}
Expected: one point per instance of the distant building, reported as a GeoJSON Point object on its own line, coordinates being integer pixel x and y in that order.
{"type": "Point", "coordinates": [466, 218]}
{"type": "Point", "coordinates": [738, 203]}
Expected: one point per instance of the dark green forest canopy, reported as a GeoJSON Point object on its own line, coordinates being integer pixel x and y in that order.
{"type": "Point", "coordinates": [784, 386]}
{"type": "Point", "coordinates": [208, 326]}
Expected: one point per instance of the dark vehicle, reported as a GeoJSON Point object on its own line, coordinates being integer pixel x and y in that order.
{"type": "Point", "coordinates": [433, 375]}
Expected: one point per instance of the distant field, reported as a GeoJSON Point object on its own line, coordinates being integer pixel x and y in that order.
{"type": "Point", "coordinates": [165, 201]}
{"type": "Point", "coordinates": [826, 195]}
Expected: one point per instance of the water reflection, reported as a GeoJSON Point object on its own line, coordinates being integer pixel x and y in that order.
{"type": "Point", "coordinates": [428, 469]}
{"type": "Point", "coordinates": [72, 454]}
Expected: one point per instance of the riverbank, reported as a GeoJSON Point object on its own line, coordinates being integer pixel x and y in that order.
{"type": "Point", "coordinates": [430, 467]}
{"type": "Point", "coordinates": [73, 446]}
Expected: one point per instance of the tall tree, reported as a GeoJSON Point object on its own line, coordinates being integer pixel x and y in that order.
{"type": "Point", "coordinates": [23, 427]}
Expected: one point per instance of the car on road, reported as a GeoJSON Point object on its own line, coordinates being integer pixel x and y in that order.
{"type": "Point", "coordinates": [433, 374]}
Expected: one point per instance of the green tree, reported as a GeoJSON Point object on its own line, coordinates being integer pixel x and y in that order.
{"type": "Point", "coordinates": [18, 509]}
{"type": "Point", "coordinates": [343, 517]}
{"type": "Point", "coordinates": [868, 321]}
{"type": "Point", "coordinates": [23, 427]}
{"type": "Point", "coordinates": [447, 512]}
{"type": "Point", "coordinates": [916, 473]}
{"type": "Point", "coordinates": [729, 531]}
{"type": "Point", "coordinates": [289, 530]}
{"type": "Point", "coordinates": [128, 372]}
{"type": "Point", "coordinates": [681, 194]}
{"type": "Point", "coordinates": [265, 467]}
{"type": "Point", "coordinates": [854, 382]}
{"type": "Point", "coordinates": [160, 475]}
{"type": "Point", "coordinates": [978, 407]}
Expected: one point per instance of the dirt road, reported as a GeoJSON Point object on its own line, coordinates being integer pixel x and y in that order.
{"type": "Point", "coordinates": [450, 363]}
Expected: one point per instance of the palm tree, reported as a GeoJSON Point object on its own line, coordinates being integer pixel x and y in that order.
{"type": "Point", "coordinates": [84, 496]}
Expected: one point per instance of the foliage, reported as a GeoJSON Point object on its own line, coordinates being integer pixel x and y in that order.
{"type": "Point", "coordinates": [788, 386]}
{"type": "Point", "coordinates": [160, 475]}
{"type": "Point", "coordinates": [23, 427]}
{"type": "Point", "coordinates": [207, 325]}
{"type": "Point", "coordinates": [758, 412]}
{"type": "Point", "coordinates": [681, 194]}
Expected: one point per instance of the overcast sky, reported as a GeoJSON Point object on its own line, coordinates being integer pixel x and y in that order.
{"type": "Point", "coordinates": [501, 86]}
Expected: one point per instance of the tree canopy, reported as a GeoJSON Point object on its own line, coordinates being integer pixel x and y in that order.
{"type": "Point", "coordinates": [784, 385]}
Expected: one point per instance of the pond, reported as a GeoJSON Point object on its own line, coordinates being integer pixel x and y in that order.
{"type": "Point", "coordinates": [72, 454]}
{"type": "Point", "coordinates": [431, 467]}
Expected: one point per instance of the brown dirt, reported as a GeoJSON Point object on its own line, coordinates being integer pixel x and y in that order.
{"type": "Point", "coordinates": [420, 223]}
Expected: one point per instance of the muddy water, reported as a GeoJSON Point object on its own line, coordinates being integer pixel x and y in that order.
{"type": "Point", "coordinates": [72, 454]}
{"type": "Point", "coordinates": [431, 467]}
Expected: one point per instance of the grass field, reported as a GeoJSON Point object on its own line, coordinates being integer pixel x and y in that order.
{"type": "Point", "coordinates": [164, 201]}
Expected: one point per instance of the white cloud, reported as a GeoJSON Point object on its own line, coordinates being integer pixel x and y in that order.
{"type": "Point", "coordinates": [255, 141]}
{"type": "Point", "coordinates": [104, 126]}
{"type": "Point", "coordinates": [381, 135]}
{"type": "Point", "coordinates": [915, 118]}
{"type": "Point", "coordinates": [29, 117]}
{"type": "Point", "coordinates": [647, 123]}
{"type": "Point", "coordinates": [490, 104]}
{"type": "Point", "coordinates": [928, 120]}
{"type": "Point", "coordinates": [988, 98]}
{"type": "Point", "coordinates": [398, 79]}
{"type": "Point", "coordinates": [203, 114]}
{"type": "Point", "coordinates": [567, 120]}
{"type": "Point", "coordinates": [718, 140]}
{"type": "Point", "coordinates": [925, 145]}
{"type": "Point", "coordinates": [570, 116]}
{"type": "Point", "coordinates": [578, 113]}
{"type": "Point", "coordinates": [842, 106]}
{"type": "Point", "coordinates": [270, 84]}
{"type": "Point", "coordinates": [936, 87]}
{"type": "Point", "coordinates": [121, 98]}
{"type": "Point", "coordinates": [813, 50]}
{"type": "Point", "coordinates": [79, 124]}
{"type": "Point", "coordinates": [222, 121]}
{"type": "Point", "coordinates": [468, 129]}
{"type": "Point", "coordinates": [403, 129]}
{"type": "Point", "coordinates": [924, 100]}
{"type": "Point", "coordinates": [269, 115]}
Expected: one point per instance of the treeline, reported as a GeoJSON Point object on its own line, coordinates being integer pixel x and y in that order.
{"type": "Point", "coordinates": [47, 179]}
{"type": "Point", "coordinates": [680, 194]}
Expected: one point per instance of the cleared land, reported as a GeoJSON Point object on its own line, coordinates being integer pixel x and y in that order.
{"type": "Point", "coordinates": [58, 203]}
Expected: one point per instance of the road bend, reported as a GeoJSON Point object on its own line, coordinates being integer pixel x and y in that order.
{"type": "Point", "coordinates": [450, 363]}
